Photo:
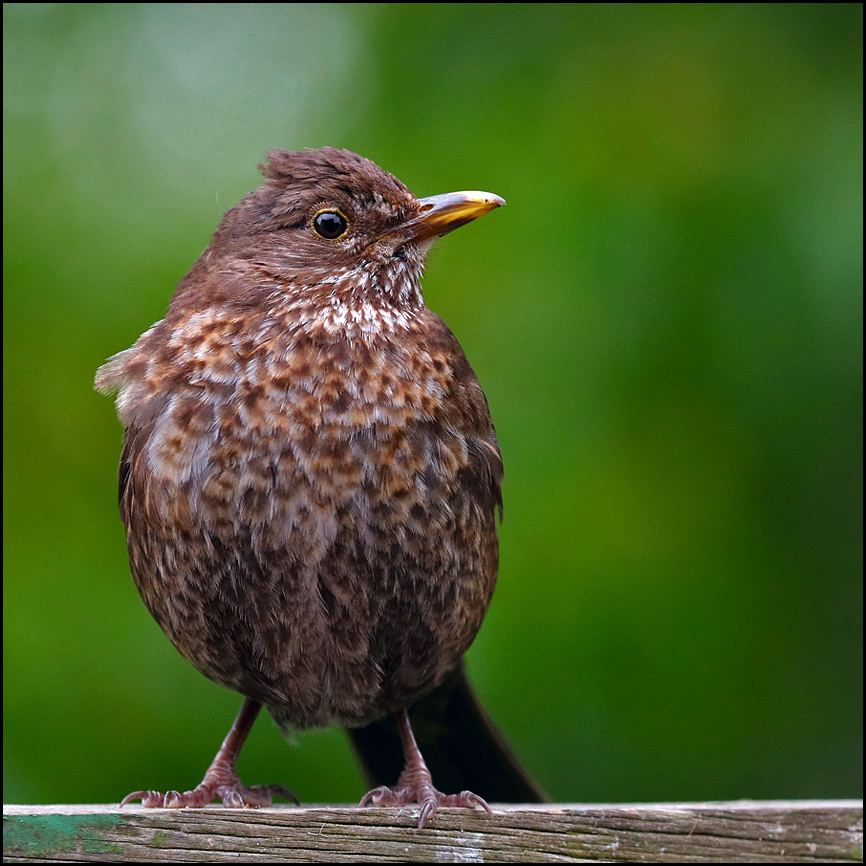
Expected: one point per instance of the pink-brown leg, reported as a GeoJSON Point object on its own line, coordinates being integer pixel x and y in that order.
{"type": "Point", "coordinates": [415, 784]}
{"type": "Point", "coordinates": [221, 780]}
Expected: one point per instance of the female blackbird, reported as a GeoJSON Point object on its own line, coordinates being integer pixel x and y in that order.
{"type": "Point", "coordinates": [310, 479]}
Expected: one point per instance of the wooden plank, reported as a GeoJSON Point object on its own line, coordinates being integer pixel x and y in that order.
{"type": "Point", "coordinates": [829, 831]}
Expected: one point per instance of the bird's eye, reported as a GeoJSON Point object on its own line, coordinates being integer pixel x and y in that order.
{"type": "Point", "coordinates": [330, 224]}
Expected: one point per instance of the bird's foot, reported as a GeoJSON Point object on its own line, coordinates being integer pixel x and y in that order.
{"type": "Point", "coordinates": [425, 795]}
{"type": "Point", "coordinates": [222, 784]}
{"type": "Point", "coordinates": [221, 781]}
{"type": "Point", "coordinates": [415, 784]}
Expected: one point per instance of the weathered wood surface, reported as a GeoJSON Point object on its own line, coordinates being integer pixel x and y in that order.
{"type": "Point", "coordinates": [826, 831]}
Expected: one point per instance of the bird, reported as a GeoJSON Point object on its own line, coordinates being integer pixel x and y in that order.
{"type": "Point", "coordinates": [310, 483]}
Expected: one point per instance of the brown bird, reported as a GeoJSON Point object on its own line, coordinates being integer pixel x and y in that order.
{"type": "Point", "coordinates": [310, 481]}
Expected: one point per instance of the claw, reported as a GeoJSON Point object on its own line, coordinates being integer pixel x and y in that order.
{"type": "Point", "coordinates": [234, 795]}
{"type": "Point", "coordinates": [426, 796]}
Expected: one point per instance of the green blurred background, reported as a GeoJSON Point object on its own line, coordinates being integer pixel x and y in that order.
{"type": "Point", "coordinates": [666, 319]}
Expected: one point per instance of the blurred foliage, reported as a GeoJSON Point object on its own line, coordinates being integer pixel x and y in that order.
{"type": "Point", "coordinates": [667, 320]}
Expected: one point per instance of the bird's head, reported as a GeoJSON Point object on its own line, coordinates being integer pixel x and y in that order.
{"type": "Point", "coordinates": [333, 223]}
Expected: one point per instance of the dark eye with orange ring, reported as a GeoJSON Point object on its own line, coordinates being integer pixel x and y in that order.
{"type": "Point", "coordinates": [330, 224]}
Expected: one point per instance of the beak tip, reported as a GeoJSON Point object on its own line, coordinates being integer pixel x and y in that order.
{"type": "Point", "coordinates": [484, 198]}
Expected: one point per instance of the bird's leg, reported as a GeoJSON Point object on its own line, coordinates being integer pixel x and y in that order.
{"type": "Point", "coordinates": [221, 781]}
{"type": "Point", "coordinates": [415, 784]}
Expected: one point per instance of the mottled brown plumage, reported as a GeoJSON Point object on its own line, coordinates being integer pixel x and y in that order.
{"type": "Point", "coordinates": [310, 476]}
